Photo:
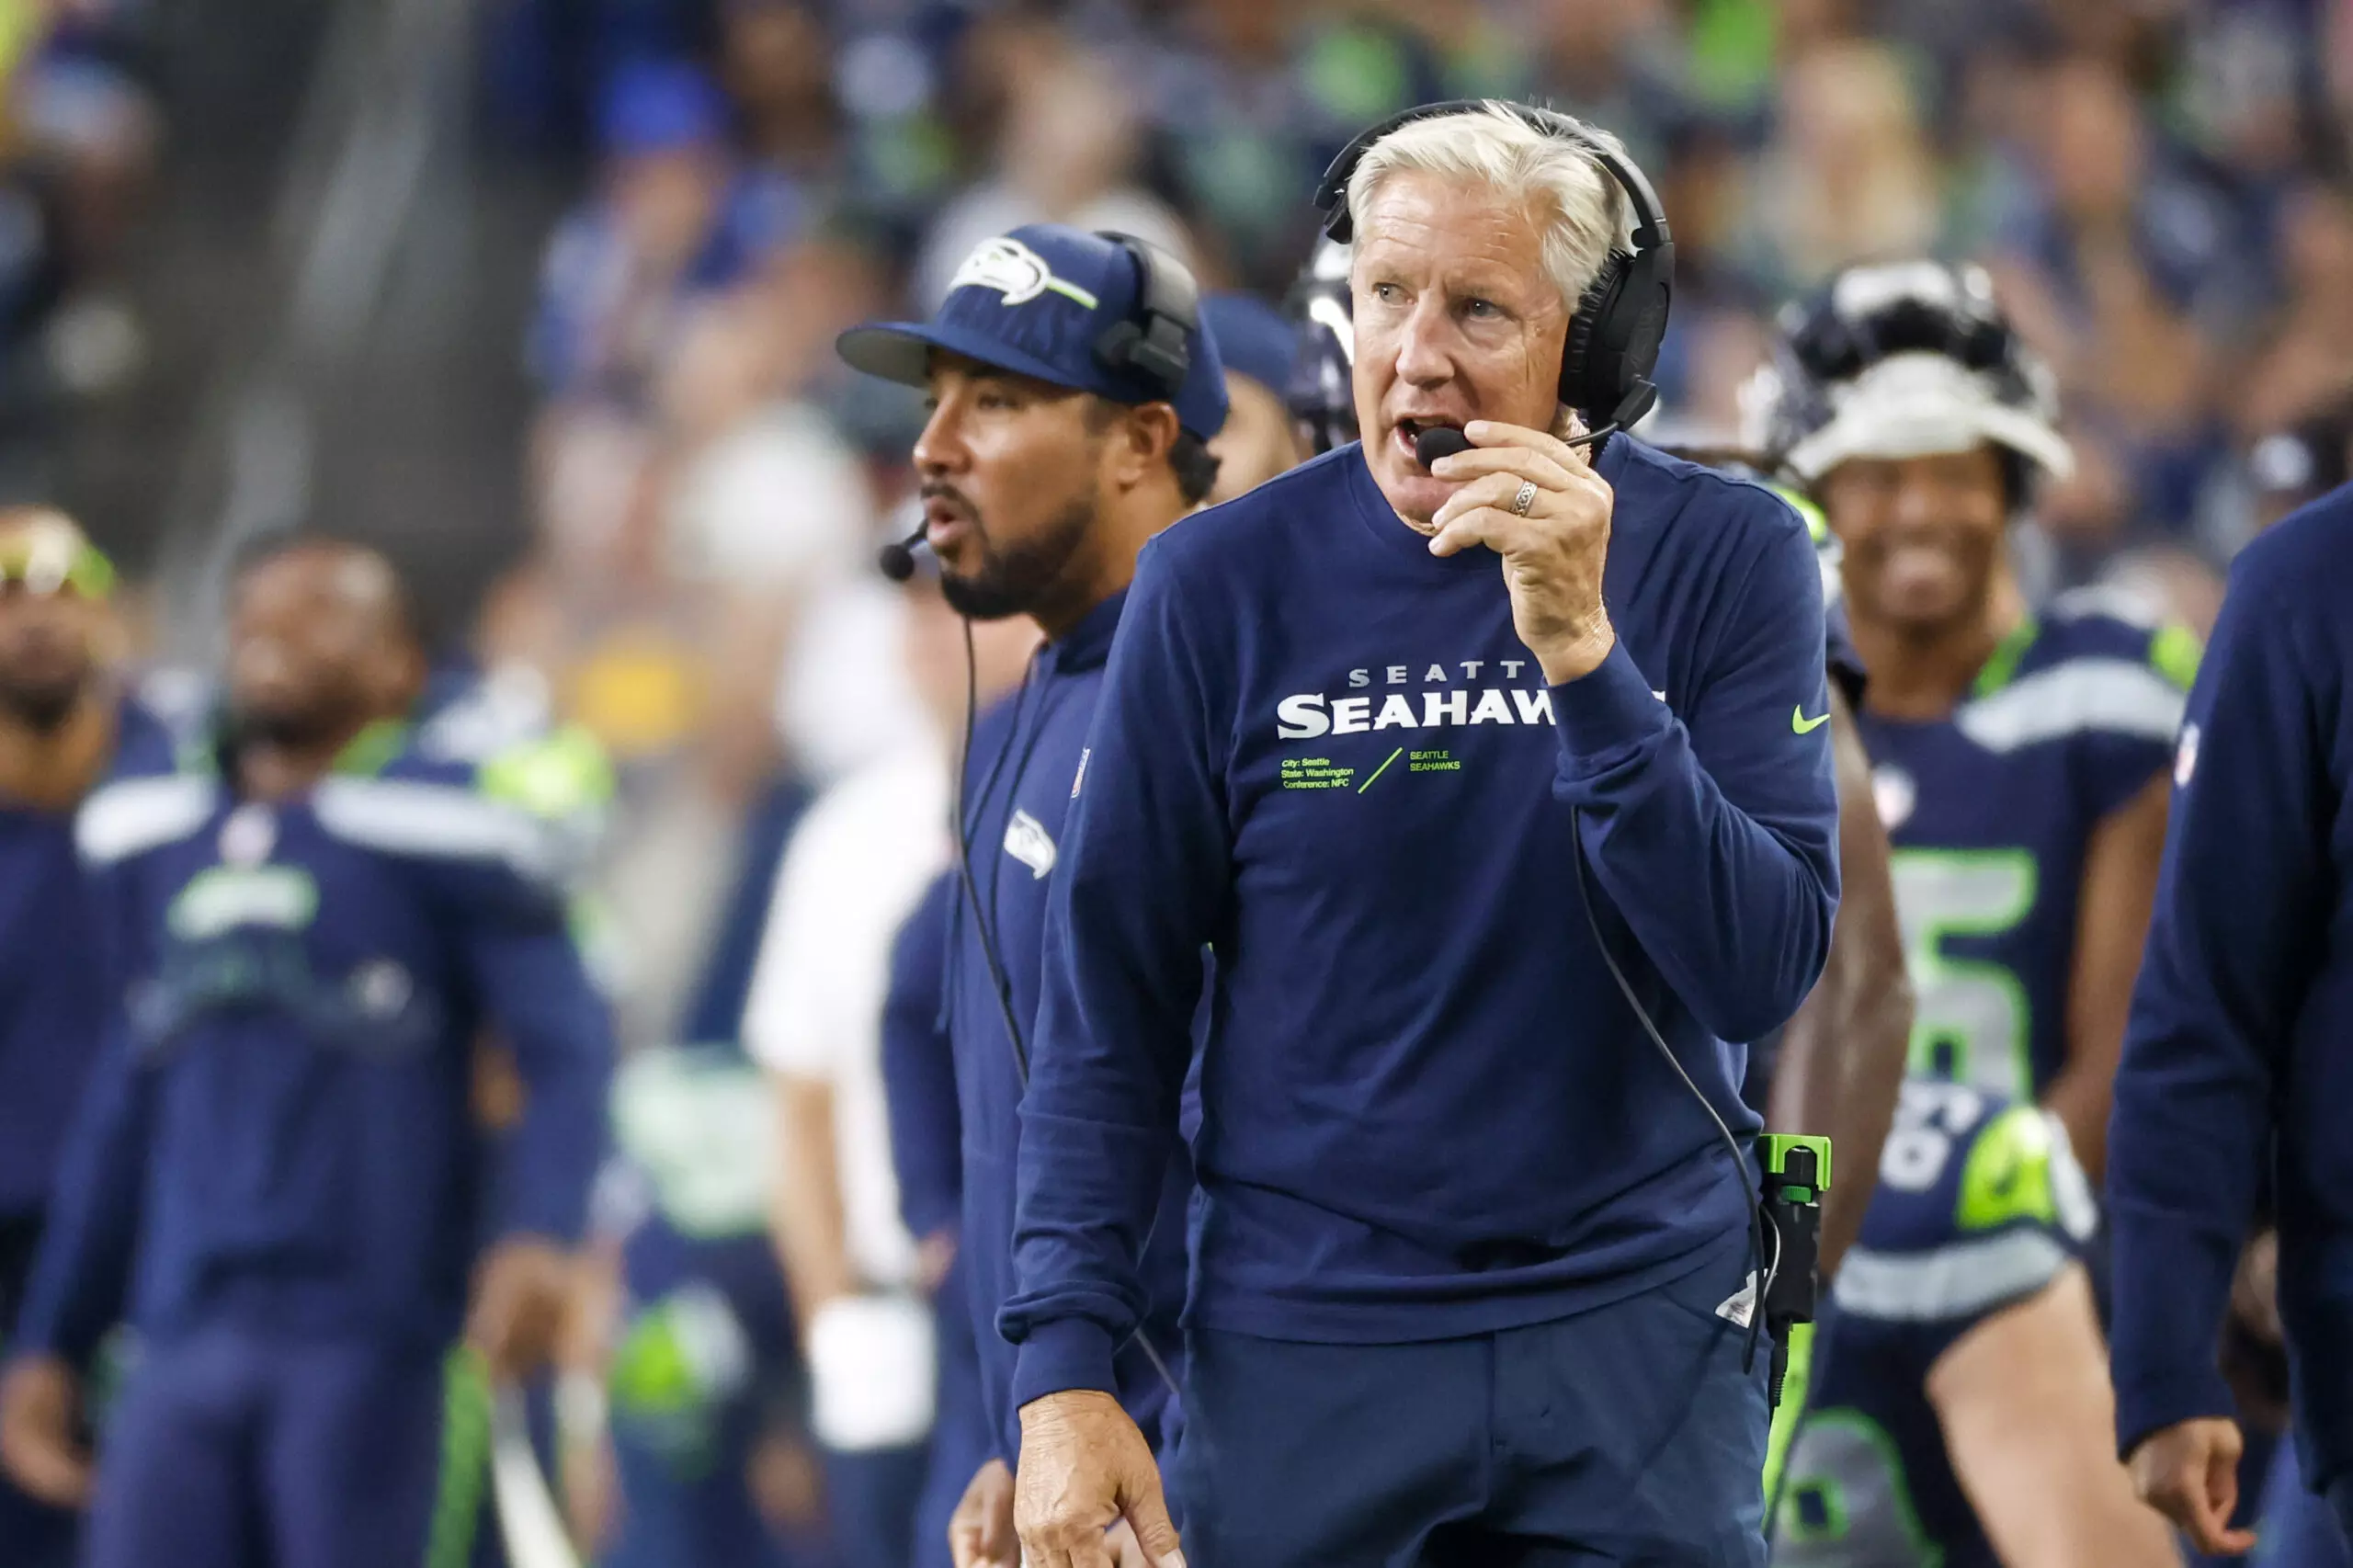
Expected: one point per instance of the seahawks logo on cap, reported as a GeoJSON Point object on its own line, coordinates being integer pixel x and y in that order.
{"type": "Point", "coordinates": [1016, 271]}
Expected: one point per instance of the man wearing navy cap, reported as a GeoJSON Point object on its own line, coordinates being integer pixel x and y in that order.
{"type": "Point", "coordinates": [1257, 345]}
{"type": "Point", "coordinates": [1074, 396]}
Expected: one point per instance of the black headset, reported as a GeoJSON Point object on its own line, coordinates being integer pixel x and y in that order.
{"type": "Point", "coordinates": [1155, 341]}
{"type": "Point", "coordinates": [1615, 334]}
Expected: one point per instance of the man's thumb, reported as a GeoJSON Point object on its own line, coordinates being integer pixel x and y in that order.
{"type": "Point", "coordinates": [1148, 1516]}
{"type": "Point", "coordinates": [2219, 1492]}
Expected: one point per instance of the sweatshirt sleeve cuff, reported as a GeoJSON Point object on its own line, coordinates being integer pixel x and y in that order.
{"type": "Point", "coordinates": [1604, 713]}
{"type": "Point", "coordinates": [1060, 1355]}
{"type": "Point", "coordinates": [2151, 1404]}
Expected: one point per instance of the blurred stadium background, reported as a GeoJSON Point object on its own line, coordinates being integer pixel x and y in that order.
{"type": "Point", "coordinates": [540, 295]}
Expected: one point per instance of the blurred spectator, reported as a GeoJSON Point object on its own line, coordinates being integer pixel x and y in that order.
{"type": "Point", "coordinates": [1849, 178]}
{"type": "Point", "coordinates": [1250, 101]}
{"type": "Point", "coordinates": [1066, 154]}
{"type": "Point", "coordinates": [1611, 61]}
{"type": "Point", "coordinates": [675, 217]}
{"type": "Point", "coordinates": [2111, 275]}
{"type": "Point", "coordinates": [779, 69]}
{"type": "Point", "coordinates": [1716, 336]}
{"type": "Point", "coordinates": [2307, 354]}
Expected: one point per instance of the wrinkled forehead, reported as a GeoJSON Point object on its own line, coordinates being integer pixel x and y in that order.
{"type": "Point", "coordinates": [1461, 233]}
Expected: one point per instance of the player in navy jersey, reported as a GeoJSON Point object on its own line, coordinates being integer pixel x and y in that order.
{"type": "Point", "coordinates": [61, 722]}
{"type": "Point", "coordinates": [305, 929]}
{"type": "Point", "coordinates": [2020, 758]}
{"type": "Point", "coordinates": [1959, 1417]}
{"type": "Point", "coordinates": [2019, 766]}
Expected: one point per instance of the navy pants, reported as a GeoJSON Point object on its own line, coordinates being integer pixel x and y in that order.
{"type": "Point", "coordinates": [228, 1450]}
{"type": "Point", "coordinates": [1624, 1436]}
{"type": "Point", "coordinates": [870, 1501]}
{"type": "Point", "coordinates": [2298, 1529]}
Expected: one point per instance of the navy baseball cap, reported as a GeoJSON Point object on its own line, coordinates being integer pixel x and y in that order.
{"type": "Point", "coordinates": [1039, 301]}
{"type": "Point", "coordinates": [1254, 338]}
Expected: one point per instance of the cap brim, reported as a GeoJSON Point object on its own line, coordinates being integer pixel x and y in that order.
{"type": "Point", "coordinates": [900, 351]}
{"type": "Point", "coordinates": [1919, 405]}
{"type": "Point", "coordinates": [1896, 430]}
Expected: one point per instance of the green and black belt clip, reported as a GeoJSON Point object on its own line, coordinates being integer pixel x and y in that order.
{"type": "Point", "coordinates": [1797, 1172]}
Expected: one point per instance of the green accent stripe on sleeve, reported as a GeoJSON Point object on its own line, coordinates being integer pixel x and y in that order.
{"type": "Point", "coordinates": [465, 1461]}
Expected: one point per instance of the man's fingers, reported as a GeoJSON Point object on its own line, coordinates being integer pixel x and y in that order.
{"type": "Point", "coordinates": [1494, 433]}
{"type": "Point", "coordinates": [971, 1544]}
{"type": "Point", "coordinates": [2221, 1500]}
{"type": "Point", "coordinates": [2183, 1496]}
{"type": "Point", "coordinates": [1527, 463]}
{"type": "Point", "coordinates": [1490, 526]}
{"type": "Point", "coordinates": [1496, 490]}
{"type": "Point", "coordinates": [1147, 1515]}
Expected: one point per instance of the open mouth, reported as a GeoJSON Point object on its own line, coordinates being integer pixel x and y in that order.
{"type": "Point", "coordinates": [1407, 431]}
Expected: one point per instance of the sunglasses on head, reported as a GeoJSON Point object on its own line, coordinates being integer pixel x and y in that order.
{"type": "Point", "coordinates": [46, 565]}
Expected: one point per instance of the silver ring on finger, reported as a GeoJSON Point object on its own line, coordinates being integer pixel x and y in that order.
{"type": "Point", "coordinates": [1524, 499]}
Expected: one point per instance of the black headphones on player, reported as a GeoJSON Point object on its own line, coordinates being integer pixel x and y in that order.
{"type": "Point", "coordinates": [1615, 334]}
{"type": "Point", "coordinates": [1155, 341]}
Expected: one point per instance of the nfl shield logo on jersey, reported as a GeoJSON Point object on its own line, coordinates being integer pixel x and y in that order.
{"type": "Point", "coordinates": [1894, 794]}
{"type": "Point", "coordinates": [249, 836]}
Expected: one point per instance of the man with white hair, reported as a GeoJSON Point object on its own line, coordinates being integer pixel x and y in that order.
{"type": "Point", "coordinates": [1498, 783]}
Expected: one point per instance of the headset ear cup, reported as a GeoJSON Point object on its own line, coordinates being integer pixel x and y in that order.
{"type": "Point", "coordinates": [1589, 365]}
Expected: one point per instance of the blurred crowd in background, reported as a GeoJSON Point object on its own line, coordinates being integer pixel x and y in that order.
{"type": "Point", "coordinates": [2162, 188]}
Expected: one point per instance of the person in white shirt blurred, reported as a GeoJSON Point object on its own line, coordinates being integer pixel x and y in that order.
{"type": "Point", "coordinates": [860, 859]}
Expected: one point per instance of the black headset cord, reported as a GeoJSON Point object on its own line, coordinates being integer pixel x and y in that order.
{"type": "Point", "coordinates": [1757, 1264]}
{"type": "Point", "coordinates": [1000, 983]}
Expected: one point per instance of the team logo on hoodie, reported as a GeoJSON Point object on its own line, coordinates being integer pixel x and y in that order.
{"type": "Point", "coordinates": [1025, 840]}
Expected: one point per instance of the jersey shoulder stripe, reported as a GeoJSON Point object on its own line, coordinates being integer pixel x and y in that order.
{"type": "Point", "coordinates": [132, 816]}
{"type": "Point", "coordinates": [1964, 1280]}
{"type": "Point", "coordinates": [2094, 694]}
{"type": "Point", "coordinates": [438, 822]}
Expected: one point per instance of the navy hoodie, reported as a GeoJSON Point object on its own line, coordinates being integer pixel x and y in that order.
{"type": "Point", "coordinates": [1424, 1110]}
{"type": "Point", "coordinates": [279, 1133]}
{"type": "Point", "coordinates": [2238, 1060]}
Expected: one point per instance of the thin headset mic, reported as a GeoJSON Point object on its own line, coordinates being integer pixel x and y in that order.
{"type": "Point", "coordinates": [896, 560]}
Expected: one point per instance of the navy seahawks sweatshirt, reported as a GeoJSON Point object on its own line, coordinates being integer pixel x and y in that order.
{"type": "Point", "coordinates": [2238, 1060]}
{"type": "Point", "coordinates": [1424, 1110]}
{"type": "Point", "coordinates": [279, 1132]}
